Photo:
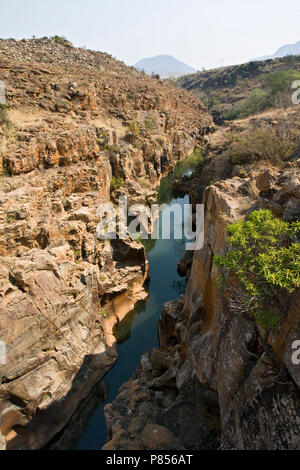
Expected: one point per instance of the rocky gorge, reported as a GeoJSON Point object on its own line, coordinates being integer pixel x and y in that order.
{"type": "Point", "coordinates": [214, 384]}
{"type": "Point", "coordinates": [78, 126]}
{"type": "Point", "coordinates": [79, 130]}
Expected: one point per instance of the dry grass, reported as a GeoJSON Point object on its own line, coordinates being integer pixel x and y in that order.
{"type": "Point", "coordinates": [275, 144]}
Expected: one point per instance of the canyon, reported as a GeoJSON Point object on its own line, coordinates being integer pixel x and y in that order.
{"type": "Point", "coordinates": [211, 384]}
{"type": "Point", "coordinates": [76, 122]}
{"type": "Point", "coordinates": [79, 130]}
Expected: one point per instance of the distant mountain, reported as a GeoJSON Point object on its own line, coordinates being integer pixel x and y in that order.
{"type": "Point", "coordinates": [164, 65]}
{"type": "Point", "coordinates": [288, 49]}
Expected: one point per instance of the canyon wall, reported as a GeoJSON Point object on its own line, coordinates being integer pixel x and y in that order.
{"type": "Point", "coordinates": [258, 399]}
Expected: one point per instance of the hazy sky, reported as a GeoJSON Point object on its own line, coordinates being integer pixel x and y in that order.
{"type": "Point", "coordinates": [198, 32]}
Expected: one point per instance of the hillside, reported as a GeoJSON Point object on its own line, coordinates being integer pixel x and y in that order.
{"type": "Point", "coordinates": [240, 90]}
{"type": "Point", "coordinates": [165, 66]}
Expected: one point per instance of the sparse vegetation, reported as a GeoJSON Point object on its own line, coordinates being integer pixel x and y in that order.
{"type": "Point", "coordinates": [4, 121]}
{"type": "Point", "coordinates": [9, 219]}
{"type": "Point", "coordinates": [150, 124]}
{"type": "Point", "coordinates": [103, 314]}
{"type": "Point", "coordinates": [241, 90]}
{"type": "Point", "coordinates": [116, 182]}
{"type": "Point", "coordinates": [275, 91]}
{"type": "Point", "coordinates": [134, 128]}
{"type": "Point", "coordinates": [257, 101]}
{"type": "Point", "coordinates": [265, 259]}
{"type": "Point", "coordinates": [58, 39]}
{"type": "Point", "coordinates": [272, 143]}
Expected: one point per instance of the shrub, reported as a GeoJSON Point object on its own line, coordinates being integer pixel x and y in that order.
{"type": "Point", "coordinates": [290, 59]}
{"type": "Point", "coordinates": [103, 313]}
{"type": "Point", "coordinates": [3, 115]}
{"type": "Point", "coordinates": [150, 124]}
{"type": "Point", "coordinates": [77, 256]}
{"type": "Point", "coordinates": [264, 143]}
{"type": "Point", "coordinates": [257, 101]}
{"type": "Point", "coordinates": [278, 82]}
{"type": "Point", "coordinates": [9, 219]}
{"type": "Point", "coordinates": [116, 183]}
{"type": "Point", "coordinates": [210, 102]}
{"type": "Point", "coordinates": [58, 39]}
{"type": "Point", "coordinates": [265, 259]}
{"type": "Point", "coordinates": [134, 128]}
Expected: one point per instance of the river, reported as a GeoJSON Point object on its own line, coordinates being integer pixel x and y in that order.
{"type": "Point", "coordinates": [135, 335]}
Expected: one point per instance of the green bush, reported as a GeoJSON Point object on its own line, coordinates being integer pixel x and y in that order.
{"type": "Point", "coordinates": [210, 102]}
{"type": "Point", "coordinates": [279, 82]}
{"type": "Point", "coordinates": [150, 124]}
{"type": "Point", "coordinates": [134, 128]}
{"type": "Point", "coordinates": [257, 101]}
{"type": "Point", "coordinates": [9, 219]}
{"type": "Point", "coordinates": [103, 314]}
{"type": "Point", "coordinates": [3, 115]}
{"type": "Point", "coordinates": [77, 256]}
{"type": "Point", "coordinates": [116, 183]}
{"type": "Point", "coordinates": [275, 91]}
{"type": "Point", "coordinates": [265, 260]}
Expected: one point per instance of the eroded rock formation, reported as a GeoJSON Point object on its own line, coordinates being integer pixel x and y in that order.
{"type": "Point", "coordinates": [218, 347]}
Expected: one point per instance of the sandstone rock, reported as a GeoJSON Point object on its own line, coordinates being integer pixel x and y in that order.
{"type": "Point", "coordinates": [185, 263]}
{"type": "Point", "coordinates": [292, 210]}
{"type": "Point", "coordinates": [292, 186]}
{"type": "Point", "coordinates": [170, 317]}
{"type": "Point", "coordinates": [2, 442]}
{"type": "Point", "coordinates": [155, 437]}
{"type": "Point", "coordinates": [265, 181]}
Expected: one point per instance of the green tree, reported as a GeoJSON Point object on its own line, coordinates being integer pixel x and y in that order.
{"type": "Point", "coordinates": [265, 259]}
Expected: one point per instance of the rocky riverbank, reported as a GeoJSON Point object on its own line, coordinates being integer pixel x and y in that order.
{"type": "Point", "coordinates": [213, 384]}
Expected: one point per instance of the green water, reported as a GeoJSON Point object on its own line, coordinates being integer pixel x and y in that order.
{"type": "Point", "coordinates": [137, 333]}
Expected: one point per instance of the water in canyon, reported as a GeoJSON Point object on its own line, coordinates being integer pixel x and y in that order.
{"type": "Point", "coordinates": [137, 333]}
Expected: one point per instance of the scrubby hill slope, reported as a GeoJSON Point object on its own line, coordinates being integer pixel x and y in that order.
{"type": "Point", "coordinates": [240, 90]}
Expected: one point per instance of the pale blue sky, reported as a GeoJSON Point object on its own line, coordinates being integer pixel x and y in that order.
{"type": "Point", "coordinates": [198, 32]}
